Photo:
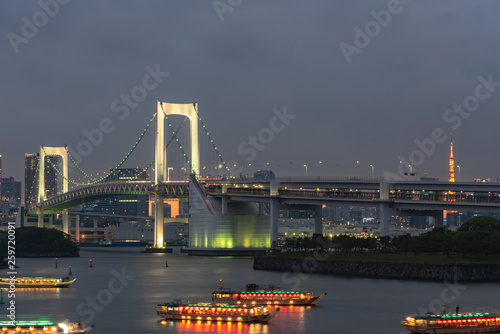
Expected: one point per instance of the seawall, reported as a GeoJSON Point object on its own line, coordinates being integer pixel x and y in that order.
{"type": "Point", "coordinates": [387, 270]}
{"type": "Point", "coordinates": [47, 254]}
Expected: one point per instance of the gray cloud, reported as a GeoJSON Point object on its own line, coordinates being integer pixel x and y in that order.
{"type": "Point", "coordinates": [263, 55]}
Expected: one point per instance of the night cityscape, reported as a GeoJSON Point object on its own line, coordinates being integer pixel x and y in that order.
{"type": "Point", "coordinates": [237, 166]}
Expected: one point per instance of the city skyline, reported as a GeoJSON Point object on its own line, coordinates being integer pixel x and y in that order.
{"type": "Point", "coordinates": [360, 101]}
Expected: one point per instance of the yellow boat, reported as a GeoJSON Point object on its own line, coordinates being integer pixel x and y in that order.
{"type": "Point", "coordinates": [216, 312]}
{"type": "Point", "coordinates": [37, 282]}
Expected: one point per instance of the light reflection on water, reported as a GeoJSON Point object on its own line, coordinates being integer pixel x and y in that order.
{"type": "Point", "coordinates": [289, 319]}
{"type": "Point", "coordinates": [352, 305]}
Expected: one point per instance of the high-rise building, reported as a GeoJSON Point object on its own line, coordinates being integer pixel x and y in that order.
{"type": "Point", "coordinates": [10, 190]}
{"type": "Point", "coordinates": [31, 176]}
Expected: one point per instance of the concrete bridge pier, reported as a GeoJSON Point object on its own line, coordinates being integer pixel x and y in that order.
{"type": "Point", "coordinates": [95, 220]}
{"type": "Point", "coordinates": [40, 216]}
{"type": "Point", "coordinates": [77, 228]}
{"type": "Point", "coordinates": [385, 219]}
{"type": "Point", "coordinates": [224, 205]}
{"type": "Point", "coordinates": [65, 221]}
{"type": "Point", "coordinates": [158, 221]}
{"type": "Point", "coordinates": [318, 219]}
{"type": "Point", "coordinates": [275, 207]}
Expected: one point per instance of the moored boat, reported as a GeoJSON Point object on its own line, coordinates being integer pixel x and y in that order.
{"type": "Point", "coordinates": [254, 294]}
{"type": "Point", "coordinates": [42, 326]}
{"type": "Point", "coordinates": [176, 310]}
{"type": "Point", "coordinates": [37, 282]}
{"type": "Point", "coordinates": [457, 322]}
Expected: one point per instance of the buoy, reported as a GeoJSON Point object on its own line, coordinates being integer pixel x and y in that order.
{"type": "Point", "coordinates": [56, 262]}
{"type": "Point", "coordinates": [90, 263]}
{"type": "Point", "coordinates": [220, 286]}
{"type": "Point", "coordinates": [70, 270]}
{"type": "Point", "coordinates": [166, 264]}
{"type": "Point", "coordinates": [1, 296]}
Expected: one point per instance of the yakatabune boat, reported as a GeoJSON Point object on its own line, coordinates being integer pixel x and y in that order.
{"type": "Point", "coordinates": [42, 326]}
{"type": "Point", "coordinates": [458, 322]}
{"type": "Point", "coordinates": [266, 295]}
{"type": "Point", "coordinates": [37, 282]}
{"type": "Point", "coordinates": [176, 310]}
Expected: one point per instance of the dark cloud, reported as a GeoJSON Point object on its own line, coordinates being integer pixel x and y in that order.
{"type": "Point", "coordinates": [263, 55]}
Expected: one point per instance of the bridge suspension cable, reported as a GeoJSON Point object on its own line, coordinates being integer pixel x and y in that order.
{"type": "Point", "coordinates": [212, 142]}
{"type": "Point", "coordinates": [137, 142]}
{"type": "Point", "coordinates": [113, 170]}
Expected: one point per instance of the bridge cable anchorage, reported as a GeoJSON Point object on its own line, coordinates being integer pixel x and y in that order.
{"type": "Point", "coordinates": [212, 142]}
{"type": "Point", "coordinates": [112, 170]}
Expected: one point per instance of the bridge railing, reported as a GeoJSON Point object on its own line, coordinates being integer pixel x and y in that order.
{"type": "Point", "coordinates": [477, 197]}
{"type": "Point", "coordinates": [361, 194]}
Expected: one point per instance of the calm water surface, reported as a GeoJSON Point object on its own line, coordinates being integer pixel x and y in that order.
{"type": "Point", "coordinates": [353, 305]}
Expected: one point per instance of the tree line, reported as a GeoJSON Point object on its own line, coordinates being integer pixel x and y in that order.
{"type": "Point", "coordinates": [478, 236]}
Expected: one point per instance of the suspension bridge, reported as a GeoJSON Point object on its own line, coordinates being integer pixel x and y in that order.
{"type": "Point", "coordinates": [229, 212]}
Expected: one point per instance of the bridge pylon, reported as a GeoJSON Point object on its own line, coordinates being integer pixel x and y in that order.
{"type": "Point", "coordinates": [63, 153]}
{"type": "Point", "coordinates": [165, 109]}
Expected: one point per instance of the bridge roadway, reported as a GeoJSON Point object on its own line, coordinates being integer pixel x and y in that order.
{"type": "Point", "coordinates": [82, 195]}
{"type": "Point", "coordinates": [408, 197]}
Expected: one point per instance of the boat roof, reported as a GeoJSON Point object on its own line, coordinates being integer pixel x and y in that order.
{"type": "Point", "coordinates": [218, 305]}
{"type": "Point", "coordinates": [464, 315]}
{"type": "Point", "coordinates": [262, 290]}
{"type": "Point", "coordinates": [41, 323]}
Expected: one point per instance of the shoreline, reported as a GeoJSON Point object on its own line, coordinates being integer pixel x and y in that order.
{"type": "Point", "coordinates": [459, 272]}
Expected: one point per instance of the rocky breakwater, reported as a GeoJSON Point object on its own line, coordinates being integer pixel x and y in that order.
{"type": "Point", "coordinates": [464, 272]}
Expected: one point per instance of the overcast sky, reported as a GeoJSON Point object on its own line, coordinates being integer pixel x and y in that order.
{"type": "Point", "coordinates": [356, 80]}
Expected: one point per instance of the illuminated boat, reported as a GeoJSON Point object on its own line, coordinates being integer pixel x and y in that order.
{"type": "Point", "coordinates": [215, 312]}
{"type": "Point", "coordinates": [43, 326]}
{"type": "Point", "coordinates": [266, 295]}
{"type": "Point", "coordinates": [37, 282]}
{"type": "Point", "coordinates": [463, 322]}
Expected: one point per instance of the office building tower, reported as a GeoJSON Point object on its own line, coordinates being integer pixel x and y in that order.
{"type": "Point", "coordinates": [31, 176]}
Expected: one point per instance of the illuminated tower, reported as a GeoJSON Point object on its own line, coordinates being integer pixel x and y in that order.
{"type": "Point", "coordinates": [452, 163]}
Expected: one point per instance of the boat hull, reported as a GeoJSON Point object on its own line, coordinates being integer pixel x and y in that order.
{"type": "Point", "coordinates": [201, 317]}
{"type": "Point", "coordinates": [19, 284]}
{"type": "Point", "coordinates": [463, 330]}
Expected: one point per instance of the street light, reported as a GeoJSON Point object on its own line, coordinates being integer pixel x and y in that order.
{"type": "Point", "coordinates": [306, 169]}
{"type": "Point", "coordinates": [168, 172]}
{"type": "Point", "coordinates": [372, 169]}
{"type": "Point", "coordinates": [458, 172]}
{"type": "Point", "coordinates": [411, 169]}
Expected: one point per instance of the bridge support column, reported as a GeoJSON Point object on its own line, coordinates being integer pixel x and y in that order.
{"type": "Point", "coordinates": [273, 219]}
{"type": "Point", "coordinates": [318, 219]}
{"type": "Point", "coordinates": [65, 221]}
{"type": "Point", "coordinates": [95, 221]}
{"type": "Point", "coordinates": [77, 228]}
{"type": "Point", "coordinates": [224, 205]}
{"type": "Point", "coordinates": [40, 217]}
{"type": "Point", "coordinates": [158, 221]}
{"type": "Point", "coordinates": [385, 219]}
{"type": "Point", "coordinates": [438, 217]}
